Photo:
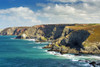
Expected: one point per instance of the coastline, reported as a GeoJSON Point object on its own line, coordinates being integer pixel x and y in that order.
{"type": "Point", "coordinates": [85, 58]}
{"type": "Point", "coordinates": [65, 40]}
{"type": "Point", "coordinates": [79, 59]}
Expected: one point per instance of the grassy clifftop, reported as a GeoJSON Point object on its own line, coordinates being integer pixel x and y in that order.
{"type": "Point", "coordinates": [93, 29]}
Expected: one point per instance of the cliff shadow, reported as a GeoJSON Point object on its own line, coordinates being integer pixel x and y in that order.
{"type": "Point", "coordinates": [76, 38]}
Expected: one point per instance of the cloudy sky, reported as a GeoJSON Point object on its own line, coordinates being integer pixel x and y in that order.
{"type": "Point", "coordinates": [35, 12]}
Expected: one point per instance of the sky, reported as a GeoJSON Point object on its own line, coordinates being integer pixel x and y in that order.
{"type": "Point", "coordinates": [15, 13]}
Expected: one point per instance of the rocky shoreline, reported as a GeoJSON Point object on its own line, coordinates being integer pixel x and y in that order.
{"type": "Point", "coordinates": [65, 38]}
{"type": "Point", "coordinates": [94, 62]}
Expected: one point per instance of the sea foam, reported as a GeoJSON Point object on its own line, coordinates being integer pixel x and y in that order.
{"type": "Point", "coordinates": [38, 47]}
{"type": "Point", "coordinates": [30, 39]}
{"type": "Point", "coordinates": [73, 57]}
{"type": "Point", "coordinates": [12, 38]}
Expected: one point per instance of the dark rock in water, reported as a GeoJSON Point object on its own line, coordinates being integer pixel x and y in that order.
{"type": "Point", "coordinates": [50, 50]}
{"type": "Point", "coordinates": [18, 37]}
{"type": "Point", "coordinates": [77, 54]}
{"type": "Point", "coordinates": [87, 61]}
{"type": "Point", "coordinates": [93, 63]}
{"type": "Point", "coordinates": [98, 64]}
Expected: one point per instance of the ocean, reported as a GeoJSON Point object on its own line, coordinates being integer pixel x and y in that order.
{"type": "Point", "coordinates": [28, 53]}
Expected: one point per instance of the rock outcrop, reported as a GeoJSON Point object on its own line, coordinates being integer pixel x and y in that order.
{"type": "Point", "coordinates": [13, 30]}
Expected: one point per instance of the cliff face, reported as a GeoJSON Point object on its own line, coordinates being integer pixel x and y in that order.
{"type": "Point", "coordinates": [13, 30]}
{"type": "Point", "coordinates": [45, 32]}
{"type": "Point", "coordinates": [78, 39]}
{"type": "Point", "coordinates": [65, 38]}
{"type": "Point", "coordinates": [75, 39]}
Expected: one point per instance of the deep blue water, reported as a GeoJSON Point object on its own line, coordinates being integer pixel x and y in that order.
{"type": "Point", "coordinates": [24, 53]}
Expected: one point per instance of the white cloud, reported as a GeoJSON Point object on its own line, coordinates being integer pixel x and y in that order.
{"type": "Point", "coordinates": [51, 13]}
{"type": "Point", "coordinates": [73, 0]}
{"type": "Point", "coordinates": [18, 16]}
{"type": "Point", "coordinates": [86, 12]}
{"type": "Point", "coordinates": [63, 0]}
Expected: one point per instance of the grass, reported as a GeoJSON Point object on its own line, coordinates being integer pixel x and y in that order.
{"type": "Point", "coordinates": [93, 29]}
{"type": "Point", "coordinates": [95, 35]}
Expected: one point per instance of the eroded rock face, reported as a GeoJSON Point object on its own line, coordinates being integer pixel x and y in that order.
{"type": "Point", "coordinates": [72, 42]}
{"type": "Point", "coordinates": [57, 32]}
{"type": "Point", "coordinates": [66, 31]}
{"type": "Point", "coordinates": [75, 39]}
{"type": "Point", "coordinates": [45, 32]}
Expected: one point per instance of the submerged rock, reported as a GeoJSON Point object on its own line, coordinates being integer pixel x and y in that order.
{"type": "Point", "coordinates": [95, 63]}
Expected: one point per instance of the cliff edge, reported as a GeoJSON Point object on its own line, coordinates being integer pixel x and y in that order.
{"type": "Point", "coordinates": [65, 38]}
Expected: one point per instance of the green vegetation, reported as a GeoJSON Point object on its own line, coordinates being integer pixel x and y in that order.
{"type": "Point", "coordinates": [43, 38]}
{"type": "Point", "coordinates": [95, 34]}
{"type": "Point", "coordinates": [93, 29]}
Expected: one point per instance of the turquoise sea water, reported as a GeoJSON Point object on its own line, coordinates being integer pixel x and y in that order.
{"type": "Point", "coordinates": [25, 53]}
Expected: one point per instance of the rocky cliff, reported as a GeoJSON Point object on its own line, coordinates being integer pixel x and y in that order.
{"type": "Point", "coordinates": [65, 38]}
{"type": "Point", "coordinates": [13, 30]}
{"type": "Point", "coordinates": [78, 39]}
{"type": "Point", "coordinates": [44, 32]}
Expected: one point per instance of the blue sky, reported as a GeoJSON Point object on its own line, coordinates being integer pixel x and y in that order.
{"type": "Point", "coordinates": [34, 12]}
{"type": "Point", "coordinates": [4, 4]}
